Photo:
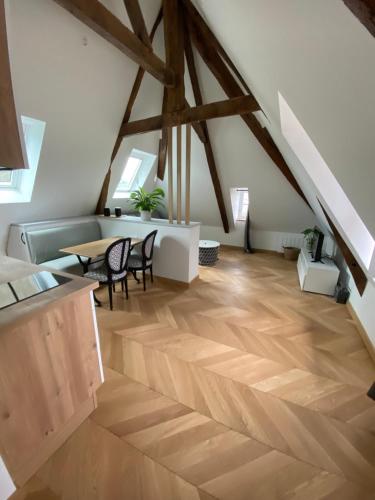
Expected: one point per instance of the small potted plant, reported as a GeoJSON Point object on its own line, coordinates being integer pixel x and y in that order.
{"type": "Point", "coordinates": [146, 202]}
{"type": "Point", "coordinates": [310, 237]}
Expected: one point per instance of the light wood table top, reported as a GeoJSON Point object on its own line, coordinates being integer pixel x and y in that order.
{"type": "Point", "coordinates": [97, 248]}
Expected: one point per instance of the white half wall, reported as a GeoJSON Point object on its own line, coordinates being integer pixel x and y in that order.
{"type": "Point", "coordinates": [176, 245]}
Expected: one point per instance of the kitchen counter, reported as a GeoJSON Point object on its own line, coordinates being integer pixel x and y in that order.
{"type": "Point", "coordinates": [50, 368]}
{"type": "Point", "coordinates": [13, 269]}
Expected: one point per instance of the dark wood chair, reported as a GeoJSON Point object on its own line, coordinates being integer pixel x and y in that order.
{"type": "Point", "coordinates": [143, 261]}
{"type": "Point", "coordinates": [114, 268]}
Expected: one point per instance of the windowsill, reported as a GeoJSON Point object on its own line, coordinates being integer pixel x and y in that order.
{"type": "Point", "coordinates": [154, 222]}
{"type": "Point", "coordinates": [14, 196]}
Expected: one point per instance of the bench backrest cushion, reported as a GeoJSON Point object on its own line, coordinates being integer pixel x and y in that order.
{"type": "Point", "coordinates": [44, 244]}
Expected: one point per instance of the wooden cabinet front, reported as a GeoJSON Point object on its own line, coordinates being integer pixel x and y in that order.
{"type": "Point", "coordinates": [49, 372]}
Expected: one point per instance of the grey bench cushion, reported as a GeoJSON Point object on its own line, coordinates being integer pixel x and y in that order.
{"type": "Point", "coordinates": [68, 264]}
{"type": "Point", "coordinates": [44, 244]}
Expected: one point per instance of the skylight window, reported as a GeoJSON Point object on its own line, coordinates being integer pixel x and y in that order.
{"type": "Point", "coordinates": [342, 210]}
{"type": "Point", "coordinates": [129, 173]}
{"type": "Point", "coordinates": [135, 173]}
{"type": "Point", "coordinates": [16, 186]}
{"type": "Point", "coordinates": [6, 178]}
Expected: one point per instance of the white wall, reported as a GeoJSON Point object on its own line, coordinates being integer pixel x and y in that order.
{"type": "Point", "coordinates": [81, 93]}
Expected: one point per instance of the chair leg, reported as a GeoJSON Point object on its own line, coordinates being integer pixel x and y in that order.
{"type": "Point", "coordinates": [122, 285]}
{"type": "Point", "coordinates": [126, 288]}
{"type": "Point", "coordinates": [144, 279]}
{"type": "Point", "coordinates": [134, 273]}
{"type": "Point", "coordinates": [114, 287]}
{"type": "Point", "coordinates": [152, 276]}
{"type": "Point", "coordinates": [110, 295]}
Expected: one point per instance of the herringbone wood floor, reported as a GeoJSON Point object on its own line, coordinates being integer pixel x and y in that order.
{"type": "Point", "coordinates": [239, 387]}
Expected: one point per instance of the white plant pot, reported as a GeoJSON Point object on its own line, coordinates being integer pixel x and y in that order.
{"type": "Point", "coordinates": [145, 215]}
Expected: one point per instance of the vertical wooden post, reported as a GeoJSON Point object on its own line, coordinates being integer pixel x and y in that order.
{"type": "Point", "coordinates": [187, 173]}
{"type": "Point", "coordinates": [179, 174]}
{"type": "Point", "coordinates": [170, 175]}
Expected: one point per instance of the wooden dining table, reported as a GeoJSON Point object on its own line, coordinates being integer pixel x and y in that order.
{"type": "Point", "coordinates": [93, 250]}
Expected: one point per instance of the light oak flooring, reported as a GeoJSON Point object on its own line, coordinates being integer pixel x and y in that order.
{"type": "Point", "coordinates": [238, 388]}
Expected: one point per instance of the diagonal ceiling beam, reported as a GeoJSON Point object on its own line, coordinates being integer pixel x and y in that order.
{"type": "Point", "coordinates": [137, 21]}
{"type": "Point", "coordinates": [11, 155]}
{"type": "Point", "coordinates": [207, 144]}
{"type": "Point", "coordinates": [102, 21]}
{"type": "Point", "coordinates": [364, 10]}
{"type": "Point", "coordinates": [133, 95]}
{"type": "Point", "coordinates": [219, 109]}
{"type": "Point", "coordinates": [358, 274]}
{"type": "Point", "coordinates": [206, 43]}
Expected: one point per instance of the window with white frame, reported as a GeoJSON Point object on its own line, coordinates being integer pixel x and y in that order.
{"type": "Point", "coordinates": [16, 186]}
{"type": "Point", "coordinates": [240, 203]}
{"type": "Point", "coordinates": [243, 204]}
{"type": "Point", "coordinates": [6, 178]}
{"type": "Point", "coordinates": [136, 170]}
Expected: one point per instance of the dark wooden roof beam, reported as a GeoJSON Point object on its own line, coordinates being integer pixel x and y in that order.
{"type": "Point", "coordinates": [137, 21]}
{"type": "Point", "coordinates": [364, 10]}
{"type": "Point", "coordinates": [11, 155]}
{"type": "Point", "coordinates": [174, 53]}
{"type": "Point", "coordinates": [102, 21]}
{"type": "Point", "coordinates": [207, 143]}
{"type": "Point", "coordinates": [219, 109]}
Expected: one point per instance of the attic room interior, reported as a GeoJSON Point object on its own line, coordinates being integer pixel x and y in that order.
{"type": "Point", "coordinates": [187, 249]}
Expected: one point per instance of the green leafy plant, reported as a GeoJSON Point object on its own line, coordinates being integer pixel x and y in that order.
{"type": "Point", "coordinates": [142, 200]}
{"type": "Point", "coordinates": [310, 237]}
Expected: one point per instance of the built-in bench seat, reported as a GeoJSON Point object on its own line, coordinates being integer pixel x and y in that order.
{"type": "Point", "coordinates": [42, 244]}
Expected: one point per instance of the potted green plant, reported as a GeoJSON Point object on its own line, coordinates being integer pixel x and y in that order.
{"type": "Point", "coordinates": [147, 202]}
{"type": "Point", "coordinates": [310, 237]}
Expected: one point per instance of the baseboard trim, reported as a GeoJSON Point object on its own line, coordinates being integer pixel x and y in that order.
{"type": "Point", "coordinates": [366, 340]}
{"type": "Point", "coordinates": [255, 250]}
{"type": "Point", "coordinates": [170, 281]}
{"type": "Point", "coordinates": [271, 252]}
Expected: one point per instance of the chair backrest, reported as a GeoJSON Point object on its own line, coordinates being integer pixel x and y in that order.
{"type": "Point", "coordinates": [148, 246]}
{"type": "Point", "coordinates": [116, 257]}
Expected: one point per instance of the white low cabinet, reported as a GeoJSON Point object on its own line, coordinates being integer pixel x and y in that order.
{"type": "Point", "coordinates": [317, 277]}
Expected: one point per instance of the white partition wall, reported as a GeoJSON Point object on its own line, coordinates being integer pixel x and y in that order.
{"type": "Point", "coordinates": [176, 245]}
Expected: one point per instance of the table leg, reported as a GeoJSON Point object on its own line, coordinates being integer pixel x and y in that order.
{"type": "Point", "coordinates": [134, 273]}
{"type": "Point", "coordinates": [97, 301]}
{"type": "Point", "coordinates": [85, 265]}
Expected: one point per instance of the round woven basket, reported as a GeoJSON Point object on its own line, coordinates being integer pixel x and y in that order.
{"type": "Point", "coordinates": [291, 253]}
